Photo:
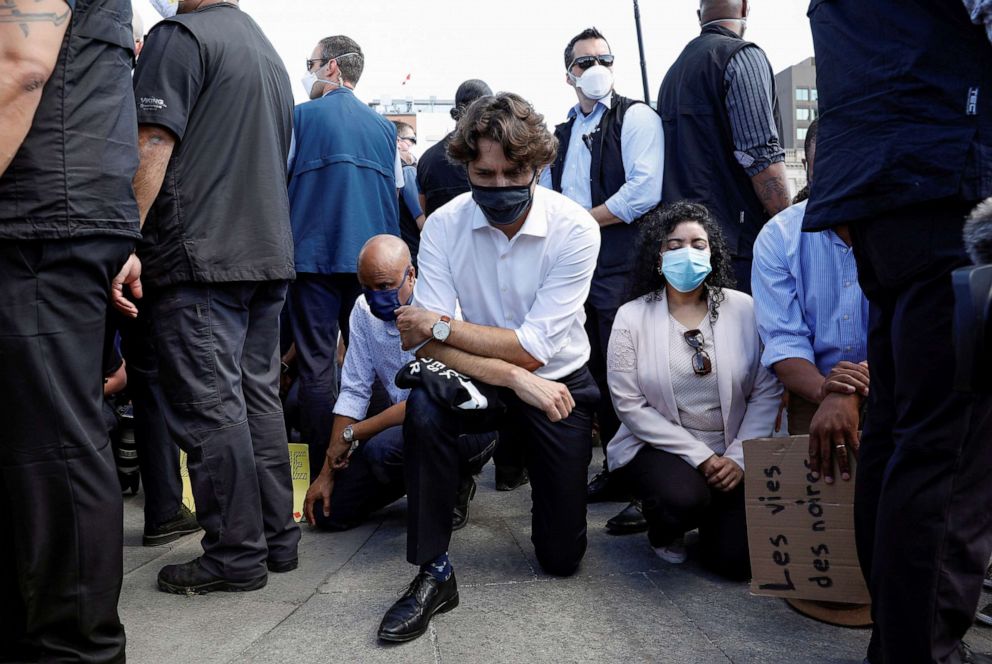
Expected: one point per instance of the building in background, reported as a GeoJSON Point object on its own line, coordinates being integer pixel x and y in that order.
{"type": "Point", "coordinates": [430, 118]}
{"type": "Point", "coordinates": [797, 98]}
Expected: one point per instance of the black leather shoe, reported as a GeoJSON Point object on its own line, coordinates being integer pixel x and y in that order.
{"type": "Point", "coordinates": [183, 523]}
{"type": "Point", "coordinates": [508, 480]}
{"type": "Point", "coordinates": [410, 616]}
{"type": "Point", "coordinates": [282, 566]}
{"type": "Point", "coordinates": [630, 520]}
{"type": "Point", "coordinates": [191, 579]}
{"type": "Point", "coordinates": [466, 492]}
{"type": "Point", "coordinates": [602, 489]}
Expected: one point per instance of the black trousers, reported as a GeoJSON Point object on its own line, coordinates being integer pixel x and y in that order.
{"type": "Point", "coordinates": [374, 477]}
{"type": "Point", "coordinates": [742, 273]}
{"type": "Point", "coordinates": [676, 499]}
{"type": "Point", "coordinates": [319, 306]}
{"type": "Point", "coordinates": [60, 501]}
{"type": "Point", "coordinates": [218, 354]}
{"type": "Point", "coordinates": [158, 453]}
{"type": "Point", "coordinates": [922, 518]}
{"type": "Point", "coordinates": [557, 458]}
{"type": "Point", "coordinates": [605, 297]}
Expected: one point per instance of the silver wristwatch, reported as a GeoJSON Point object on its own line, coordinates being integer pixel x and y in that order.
{"type": "Point", "coordinates": [349, 437]}
{"type": "Point", "coordinates": [441, 329]}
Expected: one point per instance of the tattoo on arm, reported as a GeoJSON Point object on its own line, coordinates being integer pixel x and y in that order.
{"type": "Point", "coordinates": [15, 11]}
{"type": "Point", "coordinates": [772, 188]}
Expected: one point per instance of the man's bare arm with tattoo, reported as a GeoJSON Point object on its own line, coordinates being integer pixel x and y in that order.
{"type": "Point", "coordinates": [31, 33]}
{"type": "Point", "coordinates": [772, 188]}
{"type": "Point", "coordinates": [155, 145]}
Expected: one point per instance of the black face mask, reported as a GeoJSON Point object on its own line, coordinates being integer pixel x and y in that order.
{"type": "Point", "coordinates": [503, 205]}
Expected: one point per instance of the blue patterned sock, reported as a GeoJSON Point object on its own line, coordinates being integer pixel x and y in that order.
{"type": "Point", "coordinates": [439, 568]}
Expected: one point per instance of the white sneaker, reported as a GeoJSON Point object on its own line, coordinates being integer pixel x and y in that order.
{"type": "Point", "coordinates": [674, 553]}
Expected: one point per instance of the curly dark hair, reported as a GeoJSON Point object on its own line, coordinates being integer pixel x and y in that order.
{"type": "Point", "coordinates": [646, 279]}
{"type": "Point", "coordinates": [509, 120]}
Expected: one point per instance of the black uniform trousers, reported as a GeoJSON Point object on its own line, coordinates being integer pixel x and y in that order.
{"type": "Point", "coordinates": [556, 456]}
{"type": "Point", "coordinates": [319, 306]}
{"type": "Point", "coordinates": [218, 354]}
{"type": "Point", "coordinates": [924, 486]}
{"type": "Point", "coordinates": [158, 453]}
{"type": "Point", "coordinates": [60, 500]}
{"type": "Point", "coordinates": [605, 296]}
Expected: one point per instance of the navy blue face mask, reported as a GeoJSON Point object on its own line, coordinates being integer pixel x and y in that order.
{"type": "Point", "coordinates": [384, 303]}
{"type": "Point", "coordinates": [503, 205]}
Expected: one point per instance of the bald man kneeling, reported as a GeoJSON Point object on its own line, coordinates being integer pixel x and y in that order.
{"type": "Point", "coordinates": [363, 470]}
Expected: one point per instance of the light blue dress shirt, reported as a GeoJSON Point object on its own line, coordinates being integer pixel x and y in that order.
{"type": "Point", "coordinates": [642, 147]}
{"type": "Point", "coordinates": [374, 350]}
{"type": "Point", "coordinates": [807, 300]}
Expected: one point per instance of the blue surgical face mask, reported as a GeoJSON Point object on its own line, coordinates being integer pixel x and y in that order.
{"type": "Point", "coordinates": [686, 268]}
{"type": "Point", "coordinates": [384, 303]}
{"type": "Point", "coordinates": [503, 205]}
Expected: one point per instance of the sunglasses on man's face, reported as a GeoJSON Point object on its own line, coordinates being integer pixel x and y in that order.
{"type": "Point", "coordinates": [586, 61]}
{"type": "Point", "coordinates": [412, 139]}
{"type": "Point", "coordinates": [700, 360]}
{"type": "Point", "coordinates": [322, 61]}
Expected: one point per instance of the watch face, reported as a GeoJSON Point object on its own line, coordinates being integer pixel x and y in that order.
{"type": "Point", "coordinates": [348, 434]}
{"type": "Point", "coordinates": [441, 330]}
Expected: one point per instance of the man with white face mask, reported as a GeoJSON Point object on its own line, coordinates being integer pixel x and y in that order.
{"type": "Point", "coordinates": [610, 161]}
{"type": "Point", "coordinates": [344, 173]}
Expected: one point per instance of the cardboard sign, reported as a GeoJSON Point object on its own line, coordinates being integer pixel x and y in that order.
{"type": "Point", "coordinates": [800, 531]}
{"type": "Point", "coordinates": [299, 462]}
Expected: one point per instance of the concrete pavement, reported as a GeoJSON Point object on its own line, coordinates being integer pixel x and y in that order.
{"type": "Point", "coordinates": [625, 604]}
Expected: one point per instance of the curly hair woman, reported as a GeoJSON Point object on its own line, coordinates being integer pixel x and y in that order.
{"type": "Point", "coordinates": [688, 387]}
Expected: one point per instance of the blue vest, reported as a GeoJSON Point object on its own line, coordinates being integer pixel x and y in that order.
{"type": "Point", "coordinates": [342, 187]}
{"type": "Point", "coordinates": [606, 176]}
{"type": "Point", "coordinates": [905, 100]}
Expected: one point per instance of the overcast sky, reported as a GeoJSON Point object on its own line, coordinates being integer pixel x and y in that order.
{"type": "Point", "coordinates": [513, 45]}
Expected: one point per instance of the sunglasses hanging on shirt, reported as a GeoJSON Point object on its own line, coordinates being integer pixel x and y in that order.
{"type": "Point", "coordinates": [700, 359]}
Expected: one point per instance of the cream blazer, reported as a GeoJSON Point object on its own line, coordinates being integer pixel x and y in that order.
{"type": "Point", "coordinates": [641, 383]}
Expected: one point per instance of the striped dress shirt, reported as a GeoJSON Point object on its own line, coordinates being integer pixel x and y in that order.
{"type": "Point", "coordinates": [750, 100]}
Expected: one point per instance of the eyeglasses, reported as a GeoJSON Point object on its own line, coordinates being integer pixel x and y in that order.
{"type": "Point", "coordinates": [585, 61]}
{"type": "Point", "coordinates": [700, 360]}
{"type": "Point", "coordinates": [412, 139]}
{"type": "Point", "coordinates": [322, 61]}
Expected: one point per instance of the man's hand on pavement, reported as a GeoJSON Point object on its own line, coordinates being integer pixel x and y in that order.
{"type": "Point", "coordinates": [320, 489]}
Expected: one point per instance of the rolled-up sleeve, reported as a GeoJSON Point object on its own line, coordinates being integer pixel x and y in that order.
{"type": "Point", "coordinates": [750, 100]}
{"type": "Point", "coordinates": [546, 328]}
{"type": "Point", "coordinates": [779, 314]}
{"type": "Point", "coordinates": [642, 147]}
{"type": "Point", "coordinates": [435, 288]}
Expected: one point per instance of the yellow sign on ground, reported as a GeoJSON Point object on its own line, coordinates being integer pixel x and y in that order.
{"type": "Point", "coordinates": [299, 462]}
